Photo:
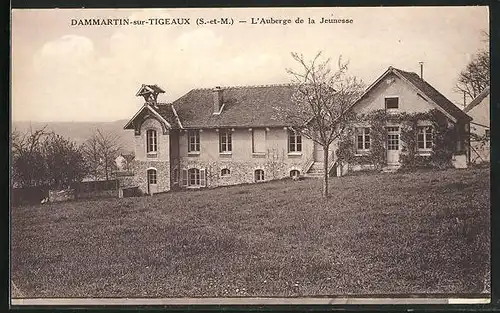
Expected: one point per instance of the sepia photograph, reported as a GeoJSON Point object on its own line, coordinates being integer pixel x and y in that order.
{"type": "Point", "coordinates": [312, 155]}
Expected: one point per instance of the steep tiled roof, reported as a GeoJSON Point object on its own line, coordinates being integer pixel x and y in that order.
{"type": "Point", "coordinates": [165, 110]}
{"type": "Point", "coordinates": [478, 99]}
{"type": "Point", "coordinates": [434, 95]}
{"type": "Point", "coordinates": [249, 106]}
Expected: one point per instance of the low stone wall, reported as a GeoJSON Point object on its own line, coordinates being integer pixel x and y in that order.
{"type": "Point", "coordinates": [61, 195]}
{"type": "Point", "coordinates": [98, 194]}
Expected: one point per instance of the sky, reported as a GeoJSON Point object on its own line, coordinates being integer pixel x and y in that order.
{"type": "Point", "coordinates": [65, 72]}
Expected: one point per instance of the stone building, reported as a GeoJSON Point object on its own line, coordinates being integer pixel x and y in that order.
{"type": "Point", "coordinates": [225, 136]}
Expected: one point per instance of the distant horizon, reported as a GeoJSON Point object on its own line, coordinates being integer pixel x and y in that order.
{"type": "Point", "coordinates": [67, 121]}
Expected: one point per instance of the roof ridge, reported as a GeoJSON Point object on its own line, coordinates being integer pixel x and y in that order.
{"type": "Point", "coordinates": [249, 86]}
{"type": "Point", "coordinates": [413, 73]}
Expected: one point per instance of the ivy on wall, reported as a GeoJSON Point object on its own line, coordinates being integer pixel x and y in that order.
{"type": "Point", "coordinates": [444, 137]}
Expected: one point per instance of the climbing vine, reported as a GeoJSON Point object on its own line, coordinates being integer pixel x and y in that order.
{"type": "Point", "coordinates": [443, 140]}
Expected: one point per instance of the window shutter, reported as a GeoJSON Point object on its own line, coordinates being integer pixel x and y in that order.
{"type": "Point", "coordinates": [184, 177]}
{"type": "Point", "coordinates": [203, 180]}
{"type": "Point", "coordinates": [259, 140]}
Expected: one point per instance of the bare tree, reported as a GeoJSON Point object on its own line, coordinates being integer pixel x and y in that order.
{"type": "Point", "coordinates": [476, 75]}
{"type": "Point", "coordinates": [28, 166]}
{"type": "Point", "coordinates": [322, 102]}
{"type": "Point", "coordinates": [100, 151]}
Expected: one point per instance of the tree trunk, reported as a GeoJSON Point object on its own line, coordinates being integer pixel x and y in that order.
{"type": "Point", "coordinates": [325, 171]}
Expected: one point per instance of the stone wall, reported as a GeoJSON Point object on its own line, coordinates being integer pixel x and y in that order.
{"type": "Point", "coordinates": [162, 174]}
{"type": "Point", "coordinates": [242, 172]}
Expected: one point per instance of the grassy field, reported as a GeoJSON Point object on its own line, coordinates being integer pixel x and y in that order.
{"type": "Point", "coordinates": [426, 232]}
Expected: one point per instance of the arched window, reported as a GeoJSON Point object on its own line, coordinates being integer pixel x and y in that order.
{"type": "Point", "coordinates": [152, 176]}
{"type": "Point", "coordinates": [151, 141]}
{"type": "Point", "coordinates": [294, 174]}
{"type": "Point", "coordinates": [225, 172]}
{"type": "Point", "coordinates": [259, 175]}
{"type": "Point", "coordinates": [194, 177]}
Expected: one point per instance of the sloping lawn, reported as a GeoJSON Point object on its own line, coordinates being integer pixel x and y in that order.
{"type": "Point", "coordinates": [426, 232]}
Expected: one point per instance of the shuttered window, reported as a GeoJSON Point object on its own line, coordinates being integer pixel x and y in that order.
{"type": "Point", "coordinates": [184, 177]}
{"type": "Point", "coordinates": [194, 177]}
{"type": "Point", "coordinates": [258, 140]}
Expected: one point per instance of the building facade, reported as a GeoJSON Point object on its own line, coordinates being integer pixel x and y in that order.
{"type": "Point", "coordinates": [227, 136]}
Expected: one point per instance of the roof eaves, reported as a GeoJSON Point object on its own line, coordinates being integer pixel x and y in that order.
{"type": "Point", "coordinates": [443, 110]}
{"type": "Point", "coordinates": [133, 117]}
{"type": "Point", "coordinates": [477, 99]}
{"type": "Point", "coordinates": [158, 115]}
{"type": "Point", "coordinates": [176, 116]}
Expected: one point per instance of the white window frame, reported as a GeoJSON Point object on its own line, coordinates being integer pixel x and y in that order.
{"type": "Point", "coordinates": [294, 142]}
{"type": "Point", "coordinates": [225, 141]}
{"type": "Point", "coordinates": [199, 181]}
{"type": "Point", "coordinates": [427, 138]}
{"type": "Point", "coordinates": [364, 133]}
{"type": "Point", "coordinates": [151, 177]}
{"type": "Point", "coordinates": [393, 134]}
{"type": "Point", "coordinates": [193, 145]}
{"type": "Point", "coordinates": [151, 141]}
{"type": "Point", "coordinates": [259, 175]}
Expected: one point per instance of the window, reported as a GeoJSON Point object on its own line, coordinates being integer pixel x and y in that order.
{"type": "Point", "coordinates": [424, 137]}
{"type": "Point", "coordinates": [193, 177]}
{"type": "Point", "coordinates": [294, 174]}
{"type": "Point", "coordinates": [194, 141]}
{"type": "Point", "coordinates": [225, 172]}
{"type": "Point", "coordinates": [151, 141]}
{"type": "Point", "coordinates": [225, 142]}
{"type": "Point", "coordinates": [176, 175]}
{"type": "Point", "coordinates": [259, 175]}
{"type": "Point", "coordinates": [294, 142]}
{"type": "Point", "coordinates": [487, 133]}
{"type": "Point", "coordinates": [362, 138]}
{"type": "Point", "coordinates": [152, 177]}
{"type": "Point", "coordinates": [391, 103]}
{"type": "Point", "coordinates": [258, 140]}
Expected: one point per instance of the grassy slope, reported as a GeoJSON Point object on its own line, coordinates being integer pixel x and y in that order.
{"type": "Point", "coordinates": [383, 233]}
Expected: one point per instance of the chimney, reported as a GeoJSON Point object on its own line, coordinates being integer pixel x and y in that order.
{"type": "Point", "coordinates": [218, 99]}
{"type": "Point", "coordinates": [421, 70]}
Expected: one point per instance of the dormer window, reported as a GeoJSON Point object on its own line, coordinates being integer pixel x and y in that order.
{"type": "Point", "coordinates": [391, 103]}
{"type": "Point", "coordinates": [151, 141]}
